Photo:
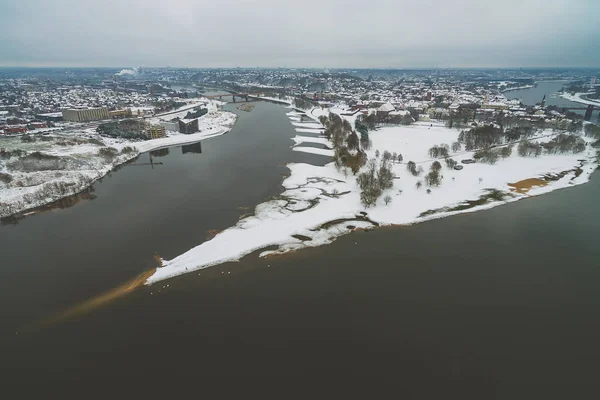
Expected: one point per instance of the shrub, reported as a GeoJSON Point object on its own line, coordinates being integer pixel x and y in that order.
{"type": "Point", "coordinates": [450, 163]}
{"type": "Point", "coordinates": [592, 130]}
{"type": "Point", "coordinates": [27, 139]}
{"type": "Point", "coordinates": [5, 178]}
{"type": "Point", "coordinates": [387, 156]}
{"type": "Point", "coordinates": [109, 153]}
{"type": "Point", "coordinates": [526, 148]}
{"type": "Point", "coordinates": [488, 156]}
{"type": "Point", "coordinates": [95, 142]}
{"type": "Point", "coordinates": [506, 151]}
{"type": "Point", "coordinates": [127, 150]}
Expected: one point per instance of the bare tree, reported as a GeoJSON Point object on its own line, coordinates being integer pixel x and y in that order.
{"type": "Point", "coordinates": [433, 178]}
{"type": "Point", "coordinates": [506, 151]}
{"type": "Point", "coordinates": [436, 166]}
{"type": "Point", "coordinates": [387, 199]}
{"type": "Point", "coordinates": [456, 146]}
{"type": "Point", "coordinates": [434, 152]}
{"type": "Point", "coordinates": [412, 168]}
{"type": "Point", "coordinates": [387, 156]}
{"type": "Point", "coordinates": [385, 175]}
{"type": "Point", "coordinates": [451, 163]}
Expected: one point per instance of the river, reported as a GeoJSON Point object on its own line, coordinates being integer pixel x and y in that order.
{"type": "Point", "coordinates": [550, 89]}
{"type": "Point", "coordinates": [496, 304]}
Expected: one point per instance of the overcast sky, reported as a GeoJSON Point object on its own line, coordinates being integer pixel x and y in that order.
{"type": "Point", "coordinates": [302, 33]}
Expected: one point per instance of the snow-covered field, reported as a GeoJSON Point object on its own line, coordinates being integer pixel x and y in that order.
{"type": "Point", "coordinates": [321, 203]}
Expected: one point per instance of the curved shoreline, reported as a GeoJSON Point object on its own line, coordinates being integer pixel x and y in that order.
{"type": "Point", "coordinates": [141, 147]}
{"type": "Point", "coordinates": [577, 98]}
{"type": "Point", "coordinates": [286, 242]}
{"type": "Point", "coordinates": [320, 203]}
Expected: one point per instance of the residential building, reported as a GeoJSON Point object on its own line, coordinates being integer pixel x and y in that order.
{"type": "Point", "coordinates": [156, 131]}
{"type": "Point", "coordinates": [188, 126]}
{"type": "Point", "coordinates": [125, 113]}
{"type": "Point", "coordinates": [15, 129]}
{"type": "Point", "coordinates": [172, 126]}
{"type": "Point", "coordinates": [55, 116]}
{"type": "Point", "coordinates": [494, 106]}
{"type": "Point", "coordinates": [85, 114]}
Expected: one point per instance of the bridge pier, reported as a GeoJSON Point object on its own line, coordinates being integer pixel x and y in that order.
{"type": "Point", "coordinates": [589, 112]}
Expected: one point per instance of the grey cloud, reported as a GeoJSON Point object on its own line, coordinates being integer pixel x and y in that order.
{"type": "Point", "coordinates": [311, 33]}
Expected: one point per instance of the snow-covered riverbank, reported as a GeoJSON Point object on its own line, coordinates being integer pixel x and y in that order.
{"type": "Point", "coordinates": [69, 164]}
{"type": "Point", "coordinates": [517, 88]}
{"type": "Point", "coordinates": [577, 98]}
{"type": "Point", "coordinates": [321, 203]}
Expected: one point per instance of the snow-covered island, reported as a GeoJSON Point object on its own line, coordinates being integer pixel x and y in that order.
{"type": "Point", "coordinates": [394, 175]}
{"type": "Point", "coordinates": [36, 170]}
{"type": "Point", "coordinates": [580, 98]}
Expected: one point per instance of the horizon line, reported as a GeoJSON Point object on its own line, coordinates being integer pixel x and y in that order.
{"type": "Point", "coordinates": [283, 67]}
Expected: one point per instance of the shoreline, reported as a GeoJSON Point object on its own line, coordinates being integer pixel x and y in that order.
{"type": "Point", "coordinates": [183, 264]}
{"type": "Point", "coordinates": [577, 98]}
{"type": "Point", "coordinates": [319, 203]}
{"type": "Point", "coordinates": [141, 147]}
{"type": "Point", "coordinates": [518, 88]}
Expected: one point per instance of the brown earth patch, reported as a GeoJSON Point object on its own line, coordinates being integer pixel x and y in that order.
{"type": "Point", "coordinates": [212, 233]}
{"type": "Point", "coordinates": [526, 185]}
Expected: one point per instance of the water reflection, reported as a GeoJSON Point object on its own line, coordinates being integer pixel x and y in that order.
{"type": "Point", "coordinates": [66, 202]}
{"type": "Point", "coordinates": [192, 148]}
{"type": "Point", "coordinates": [159, 153]}
{"type": "Point", "coordinates": [88, 193]}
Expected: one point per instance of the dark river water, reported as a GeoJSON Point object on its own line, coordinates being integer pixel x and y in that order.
{"type": "Point", "coordinates": [499, 304]}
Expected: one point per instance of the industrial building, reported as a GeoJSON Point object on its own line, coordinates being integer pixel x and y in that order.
{"type": "Point", "coordinates": [85, 114]}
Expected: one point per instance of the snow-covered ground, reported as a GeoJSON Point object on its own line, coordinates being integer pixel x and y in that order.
{"type": "Point", "coordinates": [80, 161]}
{"type": "Point", "coordinates": [70, 169]}
{"type": "Point", "coordinates": [517, 88]}
{"type": "Point", "coordinates": [578, 99]}
{"type": "Point", "coordinates": [321, 203]}
{"type": "Point", "coordinates": [213, 124]}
